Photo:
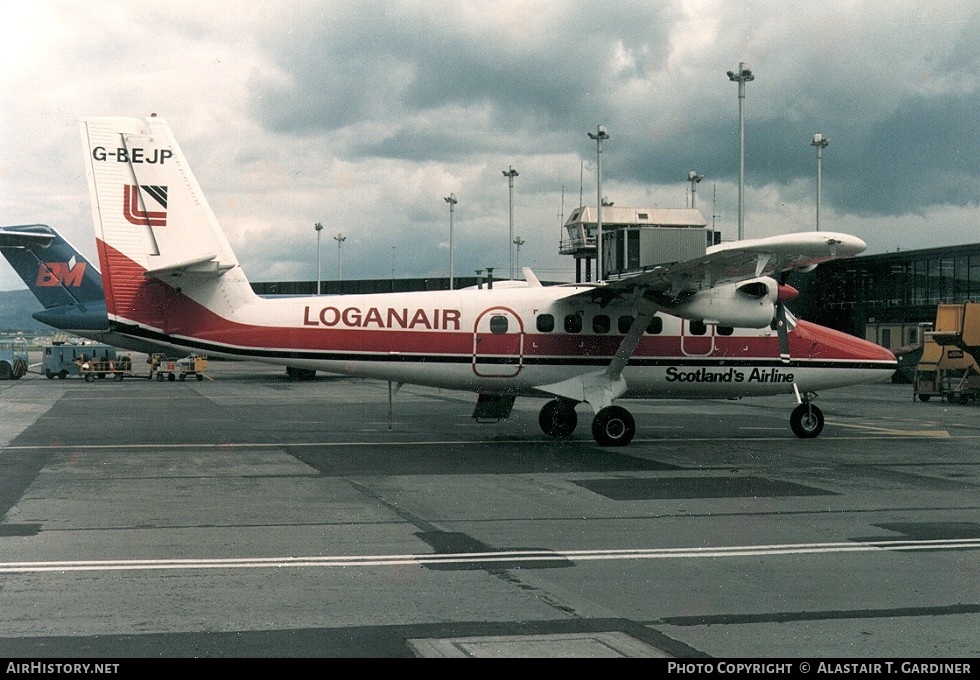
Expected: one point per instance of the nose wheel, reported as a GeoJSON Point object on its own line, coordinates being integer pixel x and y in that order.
{"type": "Point", "coordinates": [806, 420]}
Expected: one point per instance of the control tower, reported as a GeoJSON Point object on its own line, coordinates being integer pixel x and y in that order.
{"type": "Point", "coordinates": [635, 238]}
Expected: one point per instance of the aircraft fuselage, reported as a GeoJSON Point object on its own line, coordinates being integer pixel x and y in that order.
{"type": "Point", "coordinates": [513, 340]}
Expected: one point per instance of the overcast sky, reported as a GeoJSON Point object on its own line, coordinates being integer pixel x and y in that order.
{"type": "Point", "coordinates": [365, 115]}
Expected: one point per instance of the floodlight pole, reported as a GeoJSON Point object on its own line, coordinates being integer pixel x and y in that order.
{"type": "Point", "coordinates": [599, 135]}
{"type": "Point", "coordinates": [694, 178]}
{"type": "Point", "coordinates": [451, 200]}
{"type": "Point", "coordinates": [821, 143]}
{"type": "Point", "coordinates": [340, 238]}
{"type": "Point", "coordinates": [742, 76]}
{"type": "Point", "coordinates": [510, 175]}
{"type": "Point", "coordinates": [319, 228]}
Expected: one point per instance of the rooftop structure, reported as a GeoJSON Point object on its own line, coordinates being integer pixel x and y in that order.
{"type": "Point", "coordinates": [635, 238]}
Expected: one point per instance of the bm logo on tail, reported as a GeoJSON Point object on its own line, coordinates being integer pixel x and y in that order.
{"type": "Point", "coordinates": [69, 274]}
{"type": "Point", "coordinates": [131, 205]}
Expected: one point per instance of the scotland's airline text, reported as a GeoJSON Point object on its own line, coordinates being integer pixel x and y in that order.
{"type": "Point", "coordinates": [704, 375]}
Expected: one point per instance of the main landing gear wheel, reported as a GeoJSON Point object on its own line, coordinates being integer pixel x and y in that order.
{"type": "Point", "coordinates": [613, 426]}
{"type": "Point", "coordinates": [558, 418]}
{"type": "Point", "coordinates": [806, 421]}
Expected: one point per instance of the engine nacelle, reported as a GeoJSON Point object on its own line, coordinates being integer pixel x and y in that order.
{"type": "Point", "coordinates": [747, 304]}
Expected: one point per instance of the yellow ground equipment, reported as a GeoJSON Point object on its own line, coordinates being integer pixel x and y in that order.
{"type": "Point", "coordinates": [949, 366]}
{"type": "Point", "coordinates": [168, 368]}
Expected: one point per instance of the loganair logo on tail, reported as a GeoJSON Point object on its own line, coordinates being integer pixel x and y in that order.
{"type": "Point", "coordinates": [131, 201]}
{"type": "Point", "coordinates": [51, 274]}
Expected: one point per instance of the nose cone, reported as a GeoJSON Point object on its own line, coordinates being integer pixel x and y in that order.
{"type": "Point", "coordinates": [818, 342]}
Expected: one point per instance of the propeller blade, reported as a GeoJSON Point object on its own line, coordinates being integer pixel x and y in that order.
{"type": "Point", "coordinates": [782, 331]}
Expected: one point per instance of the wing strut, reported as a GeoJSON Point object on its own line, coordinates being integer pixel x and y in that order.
{"type": "Point", "coordinates": [644, 314]}
{"type": "Point", "coordinates": [599, 388]}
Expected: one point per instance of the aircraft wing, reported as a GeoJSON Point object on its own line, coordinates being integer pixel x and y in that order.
{"type": "Point", "coordinates": [732, 284]}
{"type": "Point", "coordinates": [735, 262]}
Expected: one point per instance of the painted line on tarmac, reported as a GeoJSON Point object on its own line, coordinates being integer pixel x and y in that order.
{"type": "Point", "coordinates": [872, 434]}
{"type": "Point", "coordinates": [499, 559]}
{"type": "Point", "coordinates": [938, 434]}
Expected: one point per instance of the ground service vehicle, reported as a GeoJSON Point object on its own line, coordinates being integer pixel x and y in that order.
{"type": "Point", "coordinates": [13, 360]}
{"type": "Point", "coordinates": [118, 368]}
{"type": "Point", "coordinates": [62, 360]}
{"type": "Point", "coordinates": [177, 369]}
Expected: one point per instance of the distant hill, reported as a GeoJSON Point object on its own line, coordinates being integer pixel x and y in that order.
{"type": "Point", "coordinates": [16, 307]}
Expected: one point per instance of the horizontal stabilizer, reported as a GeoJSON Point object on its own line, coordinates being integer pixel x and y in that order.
{"type": "Point", "coordinates": [206, 265]}
{"type": "Point", "coordinates": [10, 237]}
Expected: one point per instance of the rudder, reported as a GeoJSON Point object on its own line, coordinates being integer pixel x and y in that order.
{"type": "Point", "coordinates": [152, 220]}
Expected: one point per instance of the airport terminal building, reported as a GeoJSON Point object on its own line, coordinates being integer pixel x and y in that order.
{"type": "Point", "coordinates": [889, 299]}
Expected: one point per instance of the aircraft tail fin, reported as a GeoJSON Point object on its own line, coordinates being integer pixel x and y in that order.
{"type": "Point", "coordinates": [54, 270]}
{"type": "Point", "coordinates": [153, 225]}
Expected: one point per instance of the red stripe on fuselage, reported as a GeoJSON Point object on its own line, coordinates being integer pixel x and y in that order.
{"type": "Point", "coordinates": [157, 305]}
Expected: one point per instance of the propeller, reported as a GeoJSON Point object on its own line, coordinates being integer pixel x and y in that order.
{"type": "Point", "coordinates": [784, 293]}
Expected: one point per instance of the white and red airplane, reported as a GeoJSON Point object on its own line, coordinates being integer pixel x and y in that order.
{"type": "Point", "coordinates": [703, 328]}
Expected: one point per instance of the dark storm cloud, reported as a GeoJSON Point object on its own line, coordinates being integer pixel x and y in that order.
{"type": "Point", "coordinates": [362, 110]}
{"type": "Point", "coordinates": [384, 66]}
{"type": "Point", "coordinates": [925, 152]}
{"type": "Point", "coordinates": [420, 87]}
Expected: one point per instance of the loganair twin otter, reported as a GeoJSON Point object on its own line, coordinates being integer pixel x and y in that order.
{"type": "Point", "coordinates": [711, 327]}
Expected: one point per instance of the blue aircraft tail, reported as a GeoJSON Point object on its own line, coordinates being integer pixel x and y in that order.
{"type": "Point", "coordinates": [52, 268]}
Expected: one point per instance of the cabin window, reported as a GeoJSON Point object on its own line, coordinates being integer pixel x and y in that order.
{"type": "Point", "coordinates": [624, 324]}
{"type": "Point", "coordinates": [698, 328]}
{"type": "Point", "coordinates": [545, 323]}
{"type": "Point", "coordinates": [573, 323]}
{"type": "Point", "coordinates": [498, 324]}
{"type": "Point", "coordinates": [725, 330]}
{"type": "Point", "coordinates": [656, 326]}
{"type": "Point", "coordinates": [600, 323]}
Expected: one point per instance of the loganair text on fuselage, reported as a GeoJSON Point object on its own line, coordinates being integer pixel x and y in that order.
{"type": "Point", "coordinates": [409, 318]}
